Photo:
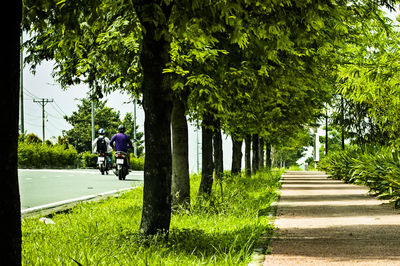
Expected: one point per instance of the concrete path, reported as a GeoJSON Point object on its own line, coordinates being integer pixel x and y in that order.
{"type": "Point", "coordinates": [327, 222]}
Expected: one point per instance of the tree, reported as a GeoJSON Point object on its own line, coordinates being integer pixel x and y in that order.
{"type": "Point", "coordinates": [237, 155]}
{"type": "Point", "coordinates": [10, 209]}
{"type": "Point", "coordinates": [180, 166]}
{"type": "Point", "coordinates": [368, 80]}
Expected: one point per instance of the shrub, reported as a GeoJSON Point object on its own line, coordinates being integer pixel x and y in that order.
{"type": "Point", "coordinates": [32, 138]}
{"type": "Point", "coordinates": [378, 169]}
{"type": "Point", "coordinates": [36, 155]}
{"type": "Point", "coordinates": [88, 159]}
{"type": "Point", "coordinates": [136, 163]}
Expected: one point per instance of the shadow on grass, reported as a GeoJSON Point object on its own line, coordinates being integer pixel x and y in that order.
{"type": "Point", "coordinates": [203, 244]}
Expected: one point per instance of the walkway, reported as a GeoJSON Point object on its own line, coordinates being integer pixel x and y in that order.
{"type": "Point", "coordinates": [327, 222]}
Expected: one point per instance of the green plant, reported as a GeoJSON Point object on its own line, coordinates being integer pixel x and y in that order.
{"type": "Point", "coordinates": [136, 163]}
{"type": "Point", "coordinates": [214, 231]}
{"type": "Point", "coordinates": [379, 169]}
{"type": "Point", "coordinates": [36, 155]}
{"type": "Point", "coordinates": [88, 159]}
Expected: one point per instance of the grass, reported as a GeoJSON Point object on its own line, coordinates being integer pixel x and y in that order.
{"type": "Point", "coordinates": [213, 232]}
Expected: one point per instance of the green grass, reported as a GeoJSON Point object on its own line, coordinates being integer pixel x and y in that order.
{"type": "Point", "coordinates": [213, 232]}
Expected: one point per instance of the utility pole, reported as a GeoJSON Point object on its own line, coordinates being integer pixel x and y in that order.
{"type": "Point", "coordinates": [134, 128]}
{"type": "Point", "coordinates": [93, 133]}
{"type": "Point", "coordinates": [43, 102]}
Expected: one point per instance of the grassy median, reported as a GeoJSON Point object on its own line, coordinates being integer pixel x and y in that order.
{"type": "Point", "coordinates": [214, 232]}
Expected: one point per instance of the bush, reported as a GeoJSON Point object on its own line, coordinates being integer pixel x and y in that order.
{"type": "Point", "coordinates": [136, 163]}
{"type": "Point", "coordinates": [379, 170]}
{"type": "Point", "coordinates": [36, 155]}
{"type": "Point", "coordinates": [88, 159]}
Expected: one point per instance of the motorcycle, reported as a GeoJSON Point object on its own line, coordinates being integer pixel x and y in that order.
{"type": "Point", "coordinates": [121, 165]}
{"type": "Point", "coordinates": [102, 163]}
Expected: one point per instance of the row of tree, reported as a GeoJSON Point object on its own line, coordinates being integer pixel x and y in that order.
{"type": "Point", "coordinates": [254, 70]}
{"type": "Point", "coordinates": [250, 68]}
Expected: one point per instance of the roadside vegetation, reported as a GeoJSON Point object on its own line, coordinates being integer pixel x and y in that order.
{"type": "Point", "coordinates": [33, 154]}
{"type": "Point", "coordinates": [378, 169]}
{"type": "Point", "coordinates": [215, 231]}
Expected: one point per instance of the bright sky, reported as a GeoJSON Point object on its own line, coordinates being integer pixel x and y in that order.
{"type": "Point", "coordinates": [43, 85]}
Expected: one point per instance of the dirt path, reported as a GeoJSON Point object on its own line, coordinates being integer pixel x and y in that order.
{"type": "Point", "coordinates": [327, 222]}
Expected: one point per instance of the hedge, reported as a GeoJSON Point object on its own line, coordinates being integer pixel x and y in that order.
{"type": "Point", "coordinates": [378, 169]}
{"type": "Point", "coordinates": [34, 155]}
{"type": "Point", "coordinates": [89, 160]}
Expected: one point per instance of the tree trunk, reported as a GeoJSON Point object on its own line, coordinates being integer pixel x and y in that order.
{"type": "Point", "coordinates": [207, 158]}
{"type": "Point", "coordinates": [180, 162]}
{"type": "Point", "coordinates": [274, 160]}
{"type": "Point", "coordinates": [261, 153]}
{"type": "Point", "coordinates": [218, 158]}
{"type": "Point", "coordinates": [236, 156]}
{"type": "Point", "coordinates": [218, 153]}
{"type": "Point", "coordinates": [247, 163]}
{"type": "Point", "coordinates": [342, 121]}
{"type": "Point", "coordinates": [268, 155]}
{"type": "Point", "coordinates": [10, 209]}
{"type": "Point", "coordinates": [157, 105]}
{"type": "Point", "coordinates": [255, 161]}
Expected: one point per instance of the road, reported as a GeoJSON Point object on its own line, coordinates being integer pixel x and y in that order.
{"type": "Point", "coordinates": [40, 187]}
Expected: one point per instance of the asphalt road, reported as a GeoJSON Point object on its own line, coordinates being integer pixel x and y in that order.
{"type": "Point", "coordinates": [40, 187]}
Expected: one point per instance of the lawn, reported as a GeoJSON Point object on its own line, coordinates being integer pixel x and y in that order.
{"type": "Point", "coordinates": [217, 231]}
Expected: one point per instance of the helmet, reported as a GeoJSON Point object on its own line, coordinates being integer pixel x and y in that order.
{"type": "Point", "coordinates": [102, 131]}
{"type": "Point", "coordinates": [121, 128]}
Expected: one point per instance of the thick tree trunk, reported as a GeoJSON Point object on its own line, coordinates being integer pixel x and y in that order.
{"type": "Point", "coordinates": [247, 162]}
{"type": "Point", "coordinates": [218, 158]}
{"type": "Point", "coordinates": [207, 158]}
{"type": "Point", "coordinates": [10, 209]}
{"type": "Point", "coordinates": [180, 162]}
{"type": "Point", "coordinates": [268, 155]}
{"type": "Point", "coordinates": [236, 156]}
{"type": "Point", "coordinates": [255, 161]}
{"type": "Point", "coordinates": [218, 154]}
{"type": "Point", "coordinates": [261, 153]}
{"type": "Point", "coordinates": [157, 104]}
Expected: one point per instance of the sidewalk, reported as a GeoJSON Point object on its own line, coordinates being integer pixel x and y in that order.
{"type": "Point", "coordinates": [327, 222]}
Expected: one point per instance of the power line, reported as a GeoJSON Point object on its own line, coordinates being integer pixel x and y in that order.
{"type": "Point", "coordinates": [59, 108]}
{"type": "Point", "coordinates": [62, 114]}
{"type": "Point", "coordinates": [30, 93]}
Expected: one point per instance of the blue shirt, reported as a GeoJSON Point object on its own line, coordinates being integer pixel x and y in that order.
{"type": "Point", "coordinates": [122, 142]}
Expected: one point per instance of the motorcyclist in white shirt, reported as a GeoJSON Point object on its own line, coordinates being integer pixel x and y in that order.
{"type": "Point", "coordinates": [102, 144]}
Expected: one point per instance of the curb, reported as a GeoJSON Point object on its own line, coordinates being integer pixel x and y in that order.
{"type": "Point", "coordinates": [260, 246]}
{"type": "Point", "coordinates": [65, 205]}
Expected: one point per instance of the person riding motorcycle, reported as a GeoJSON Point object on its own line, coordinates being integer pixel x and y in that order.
{"type": "Point", "coordinates": [102, 144]}
{"type": "Point", "coordinates": [122, 142]}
